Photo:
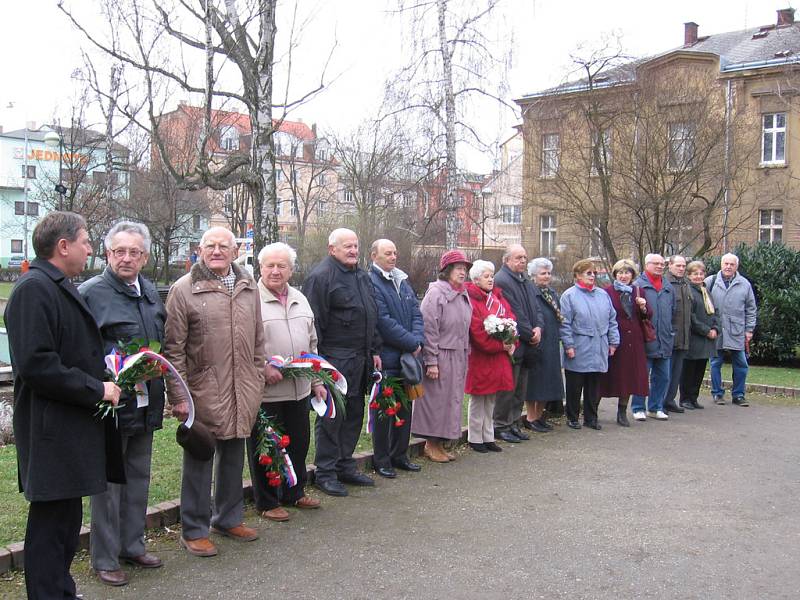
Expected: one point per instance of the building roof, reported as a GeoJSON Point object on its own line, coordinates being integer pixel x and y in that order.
{"type": "Point", "coordinates": [758, 47]}
{"type": "Point", "coordinates": [242, 121]}
{"type": "Point", "coordinates": [74, 137]}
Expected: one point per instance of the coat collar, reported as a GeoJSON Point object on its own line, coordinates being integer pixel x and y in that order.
{"type": "Point", "coordinates": [60, 279]}
{"type": "Point", "coordinates": [199, 273]}
{"type": "Point", "coordinates": [149, 291]}
{"type": "Point", "coordinates": [447, 290]}
{"type": "Point", "coordinates": [267, 296]}
{"type": "Point", "coordinates": [518, 277]}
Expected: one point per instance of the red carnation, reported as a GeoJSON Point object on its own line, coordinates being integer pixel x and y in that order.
{"type": "Point", "coordinates": [374, 404]}
{"type": "Point", "coordinates": [397, 405]}
{"type": "Point", "coordinates": [399, 422]}
{"type": "Point", "coordinates": [264, 460]}
{"type": "Point", "coordinates": [316, 366]}
{"type": "Point", "coordinates": [276, 482]}
{"type": "Point", "coordinates": [144, 349]}
{"type": "Point", "coordinates": [164, 369]}
{"type": "Point", "coordinates": [391, 411]}
{"type": "Point", "coordinates": [388, 391]}
{"type": "Point", "coordinates": [284, 442]}
{"type": "Point", "coordinates": [335, 375]}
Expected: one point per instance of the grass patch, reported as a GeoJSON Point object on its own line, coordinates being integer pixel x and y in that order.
{"type": "Point", "coordinates": [5, 289]}
{"type": "Point", "coordinates": [777, 376]}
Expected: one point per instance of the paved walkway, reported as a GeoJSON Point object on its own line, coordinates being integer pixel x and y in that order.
{"type": "Point", "coordinates": [705, 506]}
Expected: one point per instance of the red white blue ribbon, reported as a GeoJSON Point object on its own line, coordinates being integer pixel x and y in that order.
{"type": "Point", "coordinates": [307, 360]}
{"type": "Point", "coordinates": [288, 471]}
{"type": "Point", "coordinates": [373, 396]}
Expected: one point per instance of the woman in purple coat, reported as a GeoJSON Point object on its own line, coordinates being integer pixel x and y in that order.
{"type": "Point", "coordinates": [627, 369]}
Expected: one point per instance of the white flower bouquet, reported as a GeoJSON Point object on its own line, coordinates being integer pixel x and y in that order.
{"type": "Point", "coordinates": [501, 329]}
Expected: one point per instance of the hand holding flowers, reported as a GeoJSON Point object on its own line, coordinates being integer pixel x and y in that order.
{"type": "Point", "coordinates": [504, 330]}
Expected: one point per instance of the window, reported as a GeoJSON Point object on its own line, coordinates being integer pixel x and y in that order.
{"type": "Point", "coordinates": [601, 153]}
{"type": "Point", "coordinates": [511, 214]}
{"type": "Point", "coordinates": [322, 154]}
{"type": "Point", "coordinates": [407, 200]}
{"type": "Point", "coordinates": [773, 139]}
{"type": "Point", "coordinates": [16, 246]}
{"type": "Point", "coordinates": [321, 206]}
{"type": "Point", "coordinates": [547, 235]}
{"type": "Point", "coordinates": [196, 222]}
{"type": "Point", "coordinates": [278, 176]}
{"type": "Point", "coordinates": [347, 196]}
{"type": "Point", "coordinates": [770, 226]}
{"type": "Point", "coordinates": [30, 170]}
{"type": "Point", "coordinates": [321, 179]}
{"type": "Point", "coordinates": [33, 208]}
{"type": "Point", "coordinates": [681, 146]}
{"type": "Point", "coordinates": [227, 199]}
{"type": "Point", "coordinates": [293, 208]}
{"type": "Point", "coordinates": [229, 138]}
{"type": "Point", "coordinates": [550, 149]}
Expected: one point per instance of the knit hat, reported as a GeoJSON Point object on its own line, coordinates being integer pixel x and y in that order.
{"type": "Point", "coordinates": [453, 256]}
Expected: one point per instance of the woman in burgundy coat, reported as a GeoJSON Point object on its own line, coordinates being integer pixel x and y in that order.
{"type": "Point", "coordinates": [489, 368]}
{"type": "Point", "coordinates": [627, 369]}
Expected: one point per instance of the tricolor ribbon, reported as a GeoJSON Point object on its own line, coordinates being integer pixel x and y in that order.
{"type": "Point", "coordinates": [307, 360]}
{"type": "Point", "coordinates": [373, 396]}
{"type": "Point", "coordinates": [291, 476]}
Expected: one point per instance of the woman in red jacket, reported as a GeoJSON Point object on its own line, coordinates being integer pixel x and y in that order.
{"type": "Point", "coordinates": [489, 367]}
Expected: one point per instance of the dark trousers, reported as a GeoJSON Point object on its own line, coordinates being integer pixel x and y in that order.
{"type": "Point", "coordinates": [675, 370]}
{"type": "Point", "coordinates": [51, 540]}
{"type": "Point", "coordinates": [389, 442]}
{"type": "Point", "coordinates": [292, 417]}
{"type": "Point", "coordinates": [577, 383]}
{"type": "Point", "coordinates": [692, 378]}
{"type": "Point", "coordinates": [336, 439]}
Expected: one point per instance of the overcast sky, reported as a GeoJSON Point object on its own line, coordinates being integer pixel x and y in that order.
{"type": "Point", "coordinates": [40, 49]}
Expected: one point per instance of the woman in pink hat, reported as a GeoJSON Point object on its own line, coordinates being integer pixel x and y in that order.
{"type": "Point", "coordinates": [447, 312]}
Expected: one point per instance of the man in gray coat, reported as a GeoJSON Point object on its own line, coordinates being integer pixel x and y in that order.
{"type": "Point", "coordinates": [681, 325]}
{"type": "Point", "coordinates": [734, 299]}
{"type": "Point", "coordinates": [127, 306]}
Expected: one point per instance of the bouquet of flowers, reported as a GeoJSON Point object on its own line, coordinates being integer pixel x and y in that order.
{"type": "Point", "coordinates": [315, 367]}
{"type": "Point", "coordinates": [271, 452]}
{"type": "Point", "coordinates": [130, 366]}
{"type": "Point", "coordinates": [502, 329]}
{"type": "Point", "coordinates": [388, 396]}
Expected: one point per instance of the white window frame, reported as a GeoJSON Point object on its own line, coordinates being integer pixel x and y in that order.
{"type": "Point", "coordinates": [548, 231]}
{"type": "Point", "coordinates": [773, 228]}
{"type": "Point", "coordinates": [511, 214]}
{"type": "Point", "coordinates": [229, 138]}
{"type": "Point", "coordinates": [19, 244]}
{"type": "Point", "coordinates": [681, 145]}
{"type": "Point", "coordinates": [776, 134]}
{"type": "Point", "coordinates": [551, 150]}
{"type": "Point", "coordinates": [347, 196]}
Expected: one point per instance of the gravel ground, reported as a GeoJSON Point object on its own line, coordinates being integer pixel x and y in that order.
{"type": "Point", "coordinates": [704, 506]}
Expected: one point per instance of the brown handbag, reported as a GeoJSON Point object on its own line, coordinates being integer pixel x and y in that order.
{"type": "Point", "coordinates": [648, 329]}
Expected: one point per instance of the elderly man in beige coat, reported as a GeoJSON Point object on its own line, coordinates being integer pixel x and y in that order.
{"type": "Point", "coordinates": [215, 340]}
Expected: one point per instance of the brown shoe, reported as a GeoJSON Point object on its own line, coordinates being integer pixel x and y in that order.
{"type": "Point", "coordinates": [276, 514]}
{"type": "Point", "coordinates": [450, 456]}
{"type": "Point", "coordinates": [199, 547]}
{"type": "Point", "coordinates": [241, 532]}
{"type": "Point", "coordinates": [434, 453]}
{"type": "Point", "coordinates": [146, 560]}
{"type": "Point", "coordinates": [113, 578]}
{"type": "Point", "coordinates": [306, 502]}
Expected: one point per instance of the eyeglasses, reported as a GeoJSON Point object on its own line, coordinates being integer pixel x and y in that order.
{"type": "Point", "coordinates": [122, 252]}
{"type": "Point", "coordinates": [591, 273]}
{"type": "Point", "coordinates": [220, 247]}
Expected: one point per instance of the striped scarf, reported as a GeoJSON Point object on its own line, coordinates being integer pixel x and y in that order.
{"type": "Point", "coordinates": [547, 294]}
{"type": "Point", "coordinates": [494, 306]}
{"type": "Point", "coordinates": [709, 305]}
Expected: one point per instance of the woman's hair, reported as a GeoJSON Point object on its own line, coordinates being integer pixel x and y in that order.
{"type": "Point", "coordinates": [695, 265]}
{"type": "Point", "coordinates": [444, 274]}
{"type": "Point", "coordinates": [537, 264]}
{"type": "Point", "coordinates": [584, 264]}
{"type": "Point", "coordinates": [624, 265]}
{"type": "Point", "coordinates": [479, 267]}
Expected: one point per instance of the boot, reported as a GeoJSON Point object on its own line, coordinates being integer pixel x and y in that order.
{"type": "Point", "coordinates": [622, 416]}
{"type": "Point", "coordinates": [433, 451]}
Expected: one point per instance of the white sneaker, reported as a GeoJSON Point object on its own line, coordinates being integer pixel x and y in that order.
{"type": "Point", "coordinates": [639, 416]}
{"type": "Point", "coordinates": [662, 416]}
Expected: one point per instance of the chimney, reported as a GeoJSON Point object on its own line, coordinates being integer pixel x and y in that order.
{"type": "Point", "coordinates": [30, 125]}
{"type": "Point", "coordinates": [689, 34]}
{"type": "Point", "coordinates": [785, 16]}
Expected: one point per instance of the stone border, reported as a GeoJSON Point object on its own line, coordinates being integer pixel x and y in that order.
{"type": "Point", "coordinates": [167, 513]}
{"type": "Point", "coordinates": [760, 388]}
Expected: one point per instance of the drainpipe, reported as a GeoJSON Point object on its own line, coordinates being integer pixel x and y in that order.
{"type": "Point", "coordinates": [727, 166]}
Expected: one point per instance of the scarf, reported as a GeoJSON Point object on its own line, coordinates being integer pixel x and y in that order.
{"type": "Point", "coordinates": [656, 280]}
{"type": "Point", "coordinates": [494, 306]}
{"type": "Point", "coordinates": [584, 285]}
{"type": "Point", "coordinates": [547, 294]}
{"type": "Point", "coordinates": [625, 292]}
{"type": "Point", "coordinates": [709, 305]}
{"type": "Point", "coordinates": [622, 288]}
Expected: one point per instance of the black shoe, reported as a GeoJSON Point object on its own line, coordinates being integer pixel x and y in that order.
{"type": "Point", "coordinates": [543, 422]}
{"type": "Point", "coordinates": [406, 465]}
{"type": "Point", "coordinates": [387, 472]}
{"type": "Point", "coordinates": [696, 405]}
{"type": "Point", "coordinates": [356, 478]}
{"type": "Point", "coordinates": [480, 448]}
{"type": "Point", "coordinates": [687, 405]}
{"type": "Point", "coordinates": [573, 424]}
{"type": "Point", "coordinates": [740, 401]}
{"type": "Point", "coordinates": [492, 447]}
{"type": "Point", "coordinates": [536, 426]}
{"type": "Point", "coordinates": [622, 419]}
{"type": "Point", "coordinates": [507, 436]}
{"type": "Point", "coordinates": [331, 487]}
{"type": "Point", "coordinates": [672, 407]}
{"type": "Point", "coordinates": [593, 425]}
{"type": "Point", "coordinates": [518, 432]}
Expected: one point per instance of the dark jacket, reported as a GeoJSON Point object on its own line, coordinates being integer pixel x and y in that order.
{"type": "Point", "coordinates": [545, 383]}
{"type": "Point", "coordinates": [662, 304]}
{"type": "Point", "coordinates": [700, 346]}
{"type": "Point", "coordinates": [399, 320]}
{"type": "Point", "coordinates": [681, 319]}
{"type": "Point", "coordinates": [63, 450]}
{"type": "Point", "coordinates": [122, 316]}
{"type": "Point", "coordinates": [345, 316]}
{"type": "Point", "coordinates": [521, 295]}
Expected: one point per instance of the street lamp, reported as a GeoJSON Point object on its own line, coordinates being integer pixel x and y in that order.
{"type": "Point", "coordinates": [53, 139]}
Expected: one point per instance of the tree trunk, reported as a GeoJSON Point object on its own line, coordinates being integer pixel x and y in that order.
{"type": "Point", "coordinates": [451, 182]}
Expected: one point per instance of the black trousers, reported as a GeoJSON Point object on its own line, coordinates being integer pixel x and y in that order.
{"type": "Point", "coordinates": [692, 378]}
{"type": "Point", "coordinates": [292, 417]}
{"type": "Point", "coordinates": [389, 442]}
{"type": "Point", "coordinates": [577, 383]}
{"type": "Point", "coordinates": [51, 540]}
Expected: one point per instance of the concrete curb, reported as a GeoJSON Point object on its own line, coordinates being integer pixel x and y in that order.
{"type": "Point", "coordinates": [167, 513]}
{"type": "Point", "coordinates": [760, 388]}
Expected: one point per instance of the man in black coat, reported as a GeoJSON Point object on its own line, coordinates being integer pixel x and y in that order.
{"type": "Point", "coordinates": [64, 452]}
{"type": "Point", "coordinates": [345, 316]}
{"type": "Point", "coordinates": [521, 295]}
{"type": "Point", "coordinates": [126, 307]}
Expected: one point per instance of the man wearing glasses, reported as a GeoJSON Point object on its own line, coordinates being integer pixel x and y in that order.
{"type": "Point", "coordinates": [660, 297]}
{"type": "Point", "coordinates": [126, 306]}
{"type": "Point", "coordinates": [215, 340]}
